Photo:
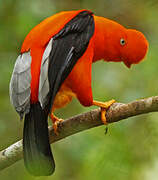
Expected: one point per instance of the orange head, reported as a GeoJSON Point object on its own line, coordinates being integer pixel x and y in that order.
{"type": "Point", "coordinates": [134, 47]}
{"type": "Point", "coordinates": [120, 44]}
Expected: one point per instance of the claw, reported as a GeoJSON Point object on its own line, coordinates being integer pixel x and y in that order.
{"type": "Point", "coordinates": [104, 106]}
{"type": "Point", "coordinates": [103, 115]}
{"type": "Point", "coordinates": [55, 121]}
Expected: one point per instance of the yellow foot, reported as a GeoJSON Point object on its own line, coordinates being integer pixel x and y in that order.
{"type": "Point", "coordinates": [104, 106]}
{"type": "Point", "coordinates": [55, 121]}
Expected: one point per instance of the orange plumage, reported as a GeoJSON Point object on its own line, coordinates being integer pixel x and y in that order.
{"type": "Point", "coordinates": [37, 40]}
{"type": "Point", "coordinates": [105, 44]}
{"type": "Point", "coordinates": [60, 52]}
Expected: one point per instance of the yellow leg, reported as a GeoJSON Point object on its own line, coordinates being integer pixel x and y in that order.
{"type": "Point", "coordinates": [55, 121]}
{"type": "Point", "coordinates": [104, 106]}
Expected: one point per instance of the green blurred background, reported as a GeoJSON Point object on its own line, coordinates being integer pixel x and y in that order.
{"type": "Point", "coordinates": [130, 149]}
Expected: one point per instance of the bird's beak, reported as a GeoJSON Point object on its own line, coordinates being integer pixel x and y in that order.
{"type": "Point", "coordinates": [127, 64]}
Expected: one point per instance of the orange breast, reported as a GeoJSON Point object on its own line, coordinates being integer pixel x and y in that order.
{"type": "Point", "coordinates": [63, 97]}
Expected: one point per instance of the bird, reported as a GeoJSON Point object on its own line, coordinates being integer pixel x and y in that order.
{"type": "Point", "coordinates": [54, 66]}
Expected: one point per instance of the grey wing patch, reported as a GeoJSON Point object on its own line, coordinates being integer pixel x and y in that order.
{"type": "Point", "coordinates": [20, 84]}
{"type": "Point", "coordinates": [44, 83]}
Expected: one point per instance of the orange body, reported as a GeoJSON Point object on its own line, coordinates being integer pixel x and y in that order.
{"type": "Point", "coordinates": [105, 44]}
{"type": "Point", "coordinates": [57, 66]}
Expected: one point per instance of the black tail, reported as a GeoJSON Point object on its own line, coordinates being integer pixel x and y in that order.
{"type": "Point", "coordinates": [38, 157]}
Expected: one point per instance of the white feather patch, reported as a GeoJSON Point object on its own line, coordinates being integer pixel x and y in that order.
{"type": "Point", "coordinates": [43, 83]}
{"type": "Point", "coordinates": [20, 84]}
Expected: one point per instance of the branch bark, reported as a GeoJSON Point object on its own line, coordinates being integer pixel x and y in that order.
{"type": "Point", "coordinates": [116, 112]}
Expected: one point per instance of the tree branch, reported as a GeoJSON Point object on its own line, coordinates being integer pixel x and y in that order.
{"type": "Point", "coordinates": [116, 112]}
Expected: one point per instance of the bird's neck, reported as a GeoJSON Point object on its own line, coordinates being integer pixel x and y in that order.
{"type": "Point", "coordinates": [99, 38]}
{"type": "Point", "coordinates": [103, 35]}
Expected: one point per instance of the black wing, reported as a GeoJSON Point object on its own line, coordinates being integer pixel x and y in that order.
{"type": "Point", "coordinates": [68, 46]}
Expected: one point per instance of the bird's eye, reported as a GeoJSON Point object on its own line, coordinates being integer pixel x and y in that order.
{"type": "Point", "coordinates": [122, 42]}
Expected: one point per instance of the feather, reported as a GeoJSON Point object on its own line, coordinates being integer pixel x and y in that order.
{"type": "Point", "coordinates": [38, 157]}
{"type": "Point", "coordinates": [20, 84]}
{"type": "Point", "coordinates": [67, 47]}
